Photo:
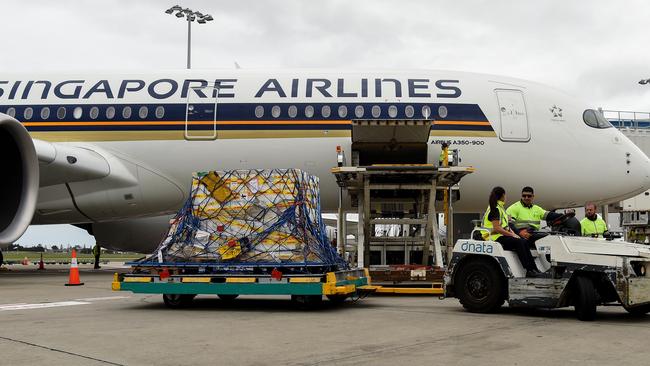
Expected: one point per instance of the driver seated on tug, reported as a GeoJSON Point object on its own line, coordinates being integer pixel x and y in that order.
{"type": "Point", "coordinates": [527, 216]}
{"type": "Point", "coordinates": [496, 221]}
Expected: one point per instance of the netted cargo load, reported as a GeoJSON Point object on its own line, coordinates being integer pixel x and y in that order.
{"type": "Point", "coordinates": [250, 217]}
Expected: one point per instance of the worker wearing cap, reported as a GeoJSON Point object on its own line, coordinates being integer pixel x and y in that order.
{"type": "Point", "coordinates": [527, 216]}
{"type": "Point", "coordinates": [592, 225]}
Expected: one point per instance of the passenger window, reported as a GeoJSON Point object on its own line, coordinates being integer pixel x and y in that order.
{"type": "Point", "coordinates": [94, 112]}
{"type": "Point", "coordinates": [160, 112]}
{"type": "Point", "coordinates": [29, 113]}
{"type": "Point", "coordinates": [375, 111]}
{"type": "Point", "coordinates": [60, 113]}
{"type": "Point", "coordinates": [426, 112]}
{"type": "Point", "coordinates": [11, 112]}
{"type": "Point", "coordinates": [143, 112]}
{"type": "Point", "coordinates": [343, 111]}
{"type": "Point", "coordinates": [126, 112]}
{"type": "Point", "coordinates": [45, 112]}
{"type": "Point", "coordinates": [392, 111]}
{"type": "Point", "coordinates": [326, 111]}
{"type": "Point", "coordinates": [358, 111]}
{"type": "Point", "coordinates": [110, 112]}
{"type": "Point", "coordinates": [275, 111]}
{"type": "Point", "coordinates": [77, 112]}
{"type": "Point", "coordinates": [309, 111]}
{"type": "Point", "coordinates": [593, 118]}
{"type": "Point", "coordinates": [442, 111]}
{"type": "Point", "coordinates": [293, 111]}
{"type": "Point", "coordinates": [259, 111]}
{"type": "Point", "coordinates": [409, 111]}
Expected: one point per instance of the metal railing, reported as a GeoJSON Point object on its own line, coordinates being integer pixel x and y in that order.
{"type": "Point", "coordinates": [627, 119]}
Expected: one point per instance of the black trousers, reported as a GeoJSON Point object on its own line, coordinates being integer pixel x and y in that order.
{"type": "Point", "coordinates": [534, 236]}
{"type": "Point", "coordinates": [97, 261]}
{"type": "Point", "coordinates": [519, 246]}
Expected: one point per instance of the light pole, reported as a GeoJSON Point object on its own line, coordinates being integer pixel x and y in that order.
{"type": "Point", "coordinates": [191, 16]}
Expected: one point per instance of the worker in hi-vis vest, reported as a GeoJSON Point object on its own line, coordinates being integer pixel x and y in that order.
{"type": "Point", "coordinates": [97, 251]}
{"type": "Point", "coordinates": [496, 221]}
{"type": "Point", "coordinates": [592, 225]}
{"type": "Point", "coordinates": [443, 154]}
{"type": "Point", "coordinates": [527, 216]}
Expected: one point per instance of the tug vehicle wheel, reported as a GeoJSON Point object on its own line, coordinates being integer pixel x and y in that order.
{"type": "Point", "coordinates": [229, 297]}
{"type": "Point", "coordinates": [480, 286]}
{"type": "Point", "coordinates": [176, 301]}
{"type": "Point", "coordinates": [585, 299]}
{"type": "Point", "coordinates": [638, 310]}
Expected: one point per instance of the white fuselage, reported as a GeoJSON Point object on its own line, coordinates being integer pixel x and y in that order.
{"type": "Point", "coordinates": [515, 133]}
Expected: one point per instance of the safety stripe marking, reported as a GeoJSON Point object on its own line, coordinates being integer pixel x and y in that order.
{"type": "Point", "coordinates": [41, 305]}
{"type": "Point", "coordinates": [194, 123]}
{"type": "Point", "coordinates": [103, 298]}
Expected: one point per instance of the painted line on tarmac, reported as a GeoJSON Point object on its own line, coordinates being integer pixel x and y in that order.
{"type": "Point", "coordinates": [43, 305]}
{"type": "Point", "coordinates": [104, 298]}
{"type": "Point", "coordinates": [60, 351]}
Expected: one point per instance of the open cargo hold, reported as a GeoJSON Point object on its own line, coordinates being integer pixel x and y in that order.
{"type": "Point", "coordinates": [246, 232]}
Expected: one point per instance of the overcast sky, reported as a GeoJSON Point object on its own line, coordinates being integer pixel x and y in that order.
{"type": "Point", "coordinates": [597, 50]}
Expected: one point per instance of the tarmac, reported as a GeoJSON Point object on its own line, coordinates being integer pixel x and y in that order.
{"type": "Point", "coordinates": [43, 321]}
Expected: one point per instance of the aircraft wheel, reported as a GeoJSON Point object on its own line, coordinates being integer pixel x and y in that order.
{"type": "Point", "coordinates": [176, 301]}
{"type": "Point", "coordinates": [638, 310]}
{"type": "Point", "coordinates": [480, 286]}
{"type": "Point", "coordinates": [585, 299]}
{"type": "Point", "coordinates": [229, 297]}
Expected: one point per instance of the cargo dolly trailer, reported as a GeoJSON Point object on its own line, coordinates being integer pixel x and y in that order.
{"type": "Point", "coordinates": [180, 283]}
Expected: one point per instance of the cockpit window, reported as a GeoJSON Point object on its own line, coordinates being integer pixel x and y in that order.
{"type": "Point", "coordinates": [595, 119]}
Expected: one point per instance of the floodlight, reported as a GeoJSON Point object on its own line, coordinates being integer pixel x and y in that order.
{"type": "Point", "coordinates": [191, 16]}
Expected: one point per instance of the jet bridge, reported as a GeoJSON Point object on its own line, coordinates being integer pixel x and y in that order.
{"type": "Point", "coordinates": [392, 184]}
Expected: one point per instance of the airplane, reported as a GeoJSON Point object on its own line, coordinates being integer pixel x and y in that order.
{"type": "Point", "coordinates": [114, 153]}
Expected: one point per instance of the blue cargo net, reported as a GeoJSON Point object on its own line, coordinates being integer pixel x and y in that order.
{"type": "Point", "coordinates": [248, 217]}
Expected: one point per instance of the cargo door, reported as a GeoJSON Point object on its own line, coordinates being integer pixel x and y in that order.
{"type": "Point", "coordinates": [201, 113]}
{"type": "Point", "coordinates": [513, 116]}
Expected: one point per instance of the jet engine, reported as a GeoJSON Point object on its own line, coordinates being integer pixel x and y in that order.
{"type": "Point", "coordinates": [19, 181]}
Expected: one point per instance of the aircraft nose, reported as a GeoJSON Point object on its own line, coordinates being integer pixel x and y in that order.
{"type": "Point", "coordinates": [641, 163]}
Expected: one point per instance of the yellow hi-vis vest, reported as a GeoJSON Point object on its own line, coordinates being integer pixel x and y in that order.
{"type": "Point", "coordinates": [526, 216]}
{"type": "Point", "coordinates": [592, 228]}
{"type": "Point", "coordinates": [503, 217]}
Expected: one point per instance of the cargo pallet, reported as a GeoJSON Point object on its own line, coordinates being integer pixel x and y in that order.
{"type": "Point", "coordinates": [178, 288]}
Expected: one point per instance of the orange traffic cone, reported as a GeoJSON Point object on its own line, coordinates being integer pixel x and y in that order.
{"type": "Point", "coordinates": [74, 271]}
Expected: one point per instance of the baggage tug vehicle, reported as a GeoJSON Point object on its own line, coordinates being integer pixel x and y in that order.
{"type": "Point", "coordinates": [577, 271]}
